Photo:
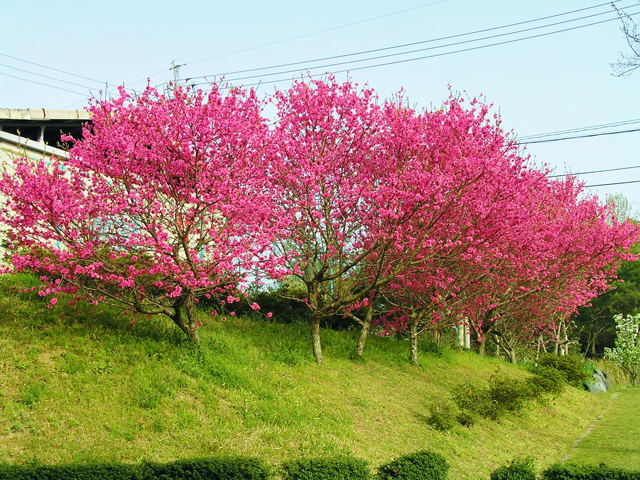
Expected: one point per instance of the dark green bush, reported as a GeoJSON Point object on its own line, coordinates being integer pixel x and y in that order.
{"type": "Point", "coordinates": [587, 472]}
{"type": "Point", "coordinates": [517, 469]}
{"type": "Point", "coordinates": [570, 366]}
{"type": "Point", "coordinates": [68, 472]}
{"type": "Point", "coordinates": [547, 381]}
{"type": "Point", "coordinates": [327, 468]}
{"type": "Point", "coordinates": [473, 400]}
{"type": "Point", "coordinates": [504, 395]}
{"type": "Point", "coordinates": [219, 468]}
{"type": "Point", "coordinates": [509, 395]}
{"type": "Point", "coordinates": [415, 466]}
{"type": "Point", "coordinates": [443, 416]}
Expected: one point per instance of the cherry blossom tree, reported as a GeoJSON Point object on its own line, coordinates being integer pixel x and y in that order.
{"type": "Point", "coordinates": [162, 202]}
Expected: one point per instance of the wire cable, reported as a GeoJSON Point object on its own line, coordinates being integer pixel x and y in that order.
{"type": "Point", "coordinates": [50, 68]}
{"type": "Point", "coordinates": [579, 129]}
{"type": "Point", "coordinates": [594, 171]}
{"type": "Point", "coordinates": [550, 140]}
{"type": "Point", "coordinates": [298, 37]}
{"type": "Point", "coordinates": [44, 76]}
{"type": "Point", "coordinates": [40, 83]}
{"type": "Point", "coordinates": [449, 37]}
{"type": "Point", "coordinates": [434, 55]}
{"type": "Point", "coordinates": [611, 184]}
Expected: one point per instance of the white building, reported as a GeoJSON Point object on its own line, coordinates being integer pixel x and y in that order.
{"type": "Point", "coordinates": [35, 132]}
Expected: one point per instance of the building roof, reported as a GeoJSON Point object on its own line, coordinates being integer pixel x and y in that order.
{"type": "Point", "coordinates": [43, 125]}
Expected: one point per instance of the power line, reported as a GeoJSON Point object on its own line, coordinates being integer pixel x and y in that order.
{"type": "Point", "coordinates": [611, 184]}
{"type": "Point", "coordinates": [579, 129]}
{"type": "Point", "coordinates": [434, 55]}
{"type": "Point", "coordinates": [323, 31]}
{"type": "Point", "coordinates": [364, 52]}
{"type": "Point", "coordinates": [50, 68]}
{"type": "Point", "coordinates": [301, 36]}
{"type": "Point", "coordinates": [44, 76]}
{"type": "Point", "coordinates": [45, 84]}
{"type": "Point", "coordinates": [595, 171]}
{"type": "Point", "coordinates": [580, 136]}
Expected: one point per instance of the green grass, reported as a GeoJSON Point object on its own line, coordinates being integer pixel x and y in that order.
{"type": "Point", "coordinates": [78, 384]}
{"type": "Point", "coordinates": [614, 438]}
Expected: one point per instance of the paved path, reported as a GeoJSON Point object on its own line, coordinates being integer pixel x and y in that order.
{"type": "Point", "coordinates": [614, 437]}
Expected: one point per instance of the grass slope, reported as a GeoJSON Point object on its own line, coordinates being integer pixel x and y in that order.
{"type": "Point", "coordinates": [80, 384]}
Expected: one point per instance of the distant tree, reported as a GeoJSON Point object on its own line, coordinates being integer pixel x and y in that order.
{"type": "Point", "coordinates": [626, 353]}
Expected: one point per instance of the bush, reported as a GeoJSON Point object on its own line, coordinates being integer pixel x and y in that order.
{"type": "Point", "coordinates": [415, 466]}
{"type": "Point", "coordinates": [444, 416]}
{"type": "Point", "coordinates": [327, 468]}
{"type": "Point", "coordinates": [509, 395]}
{"type": "Point", "coordinates": [503, 396]}
{"type": "Point", "coordinates": [472, 400]}
{"type": "Point", "coordinates": [220, 468]}
{"type": "Point", "coordinates": [517, 469]}
{"type": "Point", "coordinates": [570, 366]}
{"type": "Point", "coordinates": [587, 472]}
{"type": "Point", "coordinates": [547, 381]}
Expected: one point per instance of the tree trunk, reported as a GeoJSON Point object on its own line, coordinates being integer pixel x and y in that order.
{"type": "Point", "coordinates": [482, 347]}
{"type": "Point", "coordinates": [362, 339]}
{"type": "Point", "coordinates": [315, 337]}
{"type": "Point", "coordinates": [314, 319]}
{"type": "Point", "coordinates": [413, 340]}
{"type": "Point", "coordinates": [187, 325]}
{"type": "Point", "coordinates": [364, 332]}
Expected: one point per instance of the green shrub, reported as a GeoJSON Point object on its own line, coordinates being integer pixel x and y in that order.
{"type": "Point", "coordinates": [517, 469]}
{"type": "Point", "coordinates": [509, 395]}
{"type": "Point", "coordinates": [547, 381]}
{"type": "Point", "coordinates": [504, 395]}
{"type": "Point", "coordinates": [415, 466]}
{"type": "Point", "coordinates": [219, 468]}
{"type": "Point", "coordinates": [443, 416]}
{"type": "Point", "coordinates": [327, 468]}
{"type": "Point", "coordinates": [587, 472]}
{"type": "Point", "coordinates": [472, 400]}
{"type": "Point", "coordinates": [570, 366]}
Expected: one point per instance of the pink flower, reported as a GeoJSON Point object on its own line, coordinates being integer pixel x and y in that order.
{"type": "Point", "coordinates": [214, 313]}
{"type": "Point", "coordinates": [255, 306]}
{"type": "Point", "coordinates": [54, 301]}
{"type": "Point", "coordinates": [269, 315]}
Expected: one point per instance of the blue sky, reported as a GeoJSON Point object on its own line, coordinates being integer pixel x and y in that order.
{"type": "Point", "coordinates": [547, 84]}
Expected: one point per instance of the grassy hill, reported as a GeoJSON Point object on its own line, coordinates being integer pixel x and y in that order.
{"type": "Point", "coordinates": [79, 383]}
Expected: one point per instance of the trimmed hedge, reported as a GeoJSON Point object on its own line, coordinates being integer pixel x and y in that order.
{"type": "Point", "coordinates": [327, 468]}
{"type": "Point", "coordinates": [69, 472]}
{"type": "Point", "coordinates": [415, 466]}
{"type": "Point", "coordinates": [221, 468]}
{"type": "Point", "coordinates": [587, 472]}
